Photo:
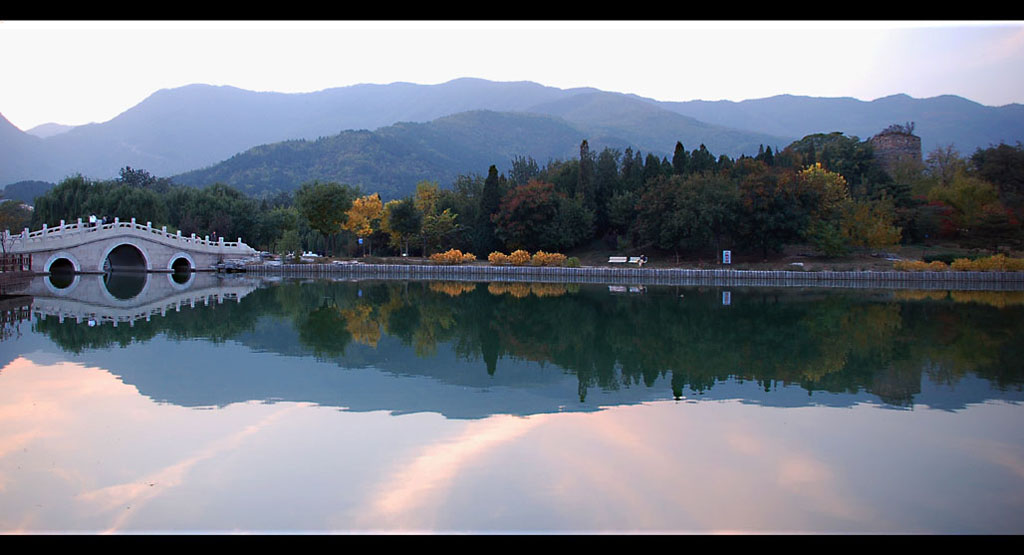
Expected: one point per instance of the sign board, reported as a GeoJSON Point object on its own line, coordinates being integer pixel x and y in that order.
{"type": "Point", "coordinates": [360, 240]}
{"type": "Point", "coordinates": [726, 257]}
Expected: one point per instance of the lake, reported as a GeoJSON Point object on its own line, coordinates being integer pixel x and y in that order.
{"type": "Point", "coordinates": [213, 404]}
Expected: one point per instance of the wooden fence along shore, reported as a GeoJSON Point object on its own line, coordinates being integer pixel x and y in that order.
{"type": "Point", "coordinates": [15, 271]}
{"type": "Point", "coordinates": [653, 276]}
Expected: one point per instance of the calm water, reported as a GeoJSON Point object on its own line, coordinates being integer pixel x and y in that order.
{"type": "Point", "coordinates": [232, 404]}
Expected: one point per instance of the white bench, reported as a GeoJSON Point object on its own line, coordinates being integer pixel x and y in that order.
{"type": "Point", "coordinates": [624, 260]}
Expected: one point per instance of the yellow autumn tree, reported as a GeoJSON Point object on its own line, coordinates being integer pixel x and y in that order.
{"type": "Point", "coordinates": [871, 224]}
{"type": "Point", "coordinates": [832, 195]}
{"type": "Point", "coordinates": [426, 197]}
{"type": "Point", "coordinates": [364, 217]}
{"type": "Point", "coordinates": [387, 226]}
{"type": "Point", "coordinates": [831, 187]}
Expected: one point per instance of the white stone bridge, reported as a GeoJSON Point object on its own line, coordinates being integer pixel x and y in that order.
{"type": "Point", "coordinates": [84, 247]}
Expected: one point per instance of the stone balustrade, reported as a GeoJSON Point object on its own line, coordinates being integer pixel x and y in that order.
{"type": "Point", "coordinates": [49, 238]}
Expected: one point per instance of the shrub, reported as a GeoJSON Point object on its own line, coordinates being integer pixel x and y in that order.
{"type": "Point", "coordinates": [519, 257]}
{"type": "Point", "coordinates": [573, 262]}
{"type": "Point", "coordinates": [452, 256]}
{"type": "Point", "coordinates": [947, 257]}
{"type": "Point", "coordinates": [997, 263]}
{"type": "Point", "coordinates": [497, 258]}
{"type": "Point", "coordinates": [919, 266]}
{"type": "Point", "coordinates": [541, 258]}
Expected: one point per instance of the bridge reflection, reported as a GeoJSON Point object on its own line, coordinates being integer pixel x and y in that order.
{"type": "Point", "coordinates": [125, 297]}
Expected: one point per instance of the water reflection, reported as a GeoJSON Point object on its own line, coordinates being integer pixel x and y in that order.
{"type": "Point", "coordinates": [662, 342]}
{"type": "Point", "coordinates": [61, 280]}
{"type": "Point", "coordinates": [461, 406]}
{"type": "Point", "coordinates": [125, 285]}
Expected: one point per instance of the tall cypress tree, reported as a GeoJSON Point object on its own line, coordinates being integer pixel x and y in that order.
{"type": "Point", "coordinates": [680, 160]}
{"type": "Point", "coordinates": [627, 167]}
{"type": "Point", "coordinates": [490, 202]}
{"type": "Point", "coordinates": [585, 183]}
{"type": "Point", "coordinates": [606, 184]}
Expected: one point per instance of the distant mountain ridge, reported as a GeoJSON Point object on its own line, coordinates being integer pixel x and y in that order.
{"type": "Point", "coordinates": [49, 129]}
{"type": "Point", "coordinates": [391, 160]}
{"type": "Point", "coordinates": [939, 121]}
{"type": "Point", "coordinates": [177, 131]}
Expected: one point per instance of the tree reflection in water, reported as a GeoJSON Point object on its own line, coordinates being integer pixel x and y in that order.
{"type": "Point", "coordinates": [882, 342]}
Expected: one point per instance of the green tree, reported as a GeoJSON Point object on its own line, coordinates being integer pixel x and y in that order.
{"type": "Point", "coordinates": [15, 216]}
{"type": "Point", "coordinates": [1003, 166]}
{"type": "Point", "coordinates": [701, 160]}
{"type": "Point", "coordinates": [944, 163]}
{"type": "Point", "coordinates": [657, 222]}
{"type": "Point", "coordinates": [772, 211]}
{"type": "Point", "coordinates": [523, 170]}
{"type": "Point", "coordinates": [271, 225]}
{"type": "Point", "coordinates": [652, 169]}
{"type": "Point", "coordinates": [632, 170]}
{"type": "Point", "coordinates": [606, 184]}
{"type": "Point", "coordinates": [711, 205]}
{"type": "Point", "coordinates": [585, 183]}
{"type": "Point", "coordinates": [325, 207]}
{"type": "Point", "coordinates": [490, 203]}
{"type": "Point", "coordinates": [967, 195]}
{"type": "Point", "coordinates": [289, 243]}
{"type": "Point", "coordinates": [402, 220]}
{"type": "Point", "coordinates": [680, 160]}
{"type": "Point", "coordinates": [68, 200]}
{"type": "Point", "coordinates": [436, 228]}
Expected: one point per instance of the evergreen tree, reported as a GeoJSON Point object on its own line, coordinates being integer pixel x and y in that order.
{"type": "Point", "coordinates": [652, 169]}
{"type": "Point", "coordinates": [680, 160]}
{"type": "Point", "coordinates": [585, 183]}
{"type": "Point", "coordinates": [523, 170]}
{"type": "Point", "coordinates": [606, 185]}
{"type": "Point", "coordinates": [667, 169]}
{"type": "Point", "coordinates": [701, 160]}
{"type": "Point", "coordinates": [490, 202]}
{"type": "Point", "coordinates": [626, 174]}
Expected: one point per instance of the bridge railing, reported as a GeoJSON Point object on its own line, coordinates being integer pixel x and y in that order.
{"type": "Point", "coordinates": [79, 228]}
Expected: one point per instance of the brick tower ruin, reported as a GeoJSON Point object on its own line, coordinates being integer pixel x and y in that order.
{"type": "Point", "coordinates": [897, 142]}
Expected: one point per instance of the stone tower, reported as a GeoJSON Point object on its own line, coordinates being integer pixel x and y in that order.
{"type": "Point", "coordinates": [896, 143]}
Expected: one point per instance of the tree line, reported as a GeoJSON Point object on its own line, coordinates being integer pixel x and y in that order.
{"type": "Point", "coordinates": [825, 190]}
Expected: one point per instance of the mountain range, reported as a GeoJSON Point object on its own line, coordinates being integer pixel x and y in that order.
{"type": "Point", "coordinates": [383, 136]}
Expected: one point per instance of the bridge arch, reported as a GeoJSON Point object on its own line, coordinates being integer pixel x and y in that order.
{"type": "Point", "coordinates": [62, 259]}
{"type": "Point", "coordinates": [181, 262]}
{"type": "Point", "coordinates": [125, 255]}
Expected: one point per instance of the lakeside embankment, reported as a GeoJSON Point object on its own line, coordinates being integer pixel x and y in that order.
{"type": "Point", "coordinates": [654, 276]}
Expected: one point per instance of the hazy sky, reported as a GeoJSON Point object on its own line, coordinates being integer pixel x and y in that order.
{"type": "Point", "coordinates": [80, 72]}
